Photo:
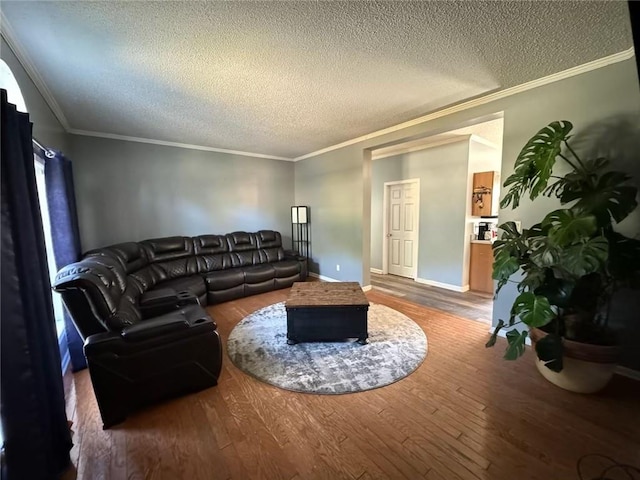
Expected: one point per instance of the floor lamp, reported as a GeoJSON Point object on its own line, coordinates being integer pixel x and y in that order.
{"type": "Point", "coordinates": [300, 229]}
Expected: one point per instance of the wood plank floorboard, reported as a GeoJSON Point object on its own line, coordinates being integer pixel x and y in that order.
{"type": "Point", "coordinates": [464, 414]}
{"type": "Point", "coordinates": [471, 305]}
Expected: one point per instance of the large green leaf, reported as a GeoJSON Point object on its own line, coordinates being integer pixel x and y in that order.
{"type": "Point", "coordinates": [494, 335]}
{"type": "Point", "coordinates": [609, 198]}
{"type": "Point", "coordinates": [504, 266]}
{"type": "Point", "coordinates": [575, 183]}
{"type": "Point", "coordinates": [550, 350]}
{"type": "Point", "coordinates": [544, 253]}
{"type": "Point", "coordinates": [533, 310]}
{"type": "Point", "coordinates": [516, 342]}
{"type": "Point", "coordinates": [534, 164]}
{"type": "Point", "coordinates": [569, 226]}
{"type": "Point", "coordinates": [556, 290]}
{"type": "Point", "coordinates": [506, 254]}
{"type": "Point", "coordinates": [534, 277]}
{"type": "Point", "coordinates": [586, 257]}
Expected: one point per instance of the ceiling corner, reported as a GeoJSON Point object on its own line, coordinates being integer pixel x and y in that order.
{"type": "Point", "coordinates": [7, 33]}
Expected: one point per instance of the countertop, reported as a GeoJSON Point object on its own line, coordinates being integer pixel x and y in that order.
{"type": "Point", "coordinates": [487, 242]}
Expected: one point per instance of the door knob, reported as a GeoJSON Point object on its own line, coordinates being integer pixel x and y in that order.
{"type": "Point", "coordinates": [389, 235]}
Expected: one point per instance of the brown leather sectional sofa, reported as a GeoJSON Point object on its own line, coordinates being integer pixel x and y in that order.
{"type": "Point", "coordinates": [140, 309]}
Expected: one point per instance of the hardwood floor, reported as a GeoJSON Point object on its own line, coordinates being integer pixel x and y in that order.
{"type": "Point", "coordinates": [471, 305]}
{"type": "Point", "coordinates": [463, 414]}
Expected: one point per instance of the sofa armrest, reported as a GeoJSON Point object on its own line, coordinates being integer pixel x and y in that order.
{"type": "Point", "coordinates": [190, 320]}
{"type": "Point", "coordinates": [147, 329]}
{"type": "Point", "coordinates": [164, 300]}
{"type": "Point", "coordinates": [293, 255]}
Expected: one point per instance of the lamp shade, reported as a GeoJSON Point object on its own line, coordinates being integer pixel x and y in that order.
{"type": "Point", "coordinates": [300, 214]}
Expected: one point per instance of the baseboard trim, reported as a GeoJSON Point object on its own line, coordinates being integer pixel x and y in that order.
{"type": "Point", "coordinates": [366, 288]}
{"type": "Point", "coordinates": [323, 277]}
{"type": "Point", "coordinates": [447, 286]}
{"type": "Point", "coordinates": [620, 370]}
{"type": "Point", "coordinates": [376, 270]}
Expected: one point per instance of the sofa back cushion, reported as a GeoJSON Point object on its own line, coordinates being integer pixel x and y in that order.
{"type": "Point", "coordinates": [241, 241]}
{"type": "Point", "coordinates": [270, 255]}
{"type": "Point", "coordinates": [169, 248]}
{"type": "Point", "coordinates": [182, 267]}
{"type": "Point", "coordinates": [268, 239]}
{"type": "Point", "coordinates": [270, 244]}
{"type": "Point", "coordinates": [210, 244]}
{"type": "Point", "coordinates": [130, 254]}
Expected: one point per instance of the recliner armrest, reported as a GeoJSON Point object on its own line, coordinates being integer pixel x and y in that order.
{"type": "Point", "coordinates": [293, 255]}
{"type": "Point", "coordinates": [164, 300]}
{"type": "Point", "coordinates": [190, 320]}
{"type": "Point", "coordinates": [152, 328]}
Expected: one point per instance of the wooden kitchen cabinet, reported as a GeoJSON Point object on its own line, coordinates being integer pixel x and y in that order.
{"type": "Point", "coordinates": [481, 268]}
{"type": "Point", "coordinates": [485, 195]}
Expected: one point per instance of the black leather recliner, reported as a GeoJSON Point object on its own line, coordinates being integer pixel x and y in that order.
{"type": "Point", "coordinates": [139, 308]}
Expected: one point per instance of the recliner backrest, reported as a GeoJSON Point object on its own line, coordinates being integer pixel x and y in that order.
{"type": "Point", "coordinates": [270, 246]}
{"type": "Point", "coordinates": [212, 253]}
{"type": "Point", "coordinates": [113, 278]}
{"type": "Point", "coordinates": [130, 254]}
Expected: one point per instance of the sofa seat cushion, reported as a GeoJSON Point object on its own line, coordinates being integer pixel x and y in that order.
{"type": "Point", "coordinates": [286, 268]}
{"type": "Point", "coordinates": [259, 273]}
{"type": "Point", "coordinates": [224, 279]}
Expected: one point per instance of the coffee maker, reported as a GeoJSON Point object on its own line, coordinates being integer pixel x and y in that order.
{"type": "Point", "coordinates": [484, 227]}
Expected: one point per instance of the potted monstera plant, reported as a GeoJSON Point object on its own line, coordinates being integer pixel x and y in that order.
{"type": "Point", "coordinates": [568, 266]}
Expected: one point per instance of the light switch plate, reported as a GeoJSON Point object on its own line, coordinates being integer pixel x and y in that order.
{"type": "Point", "coordinates": [518, 225]}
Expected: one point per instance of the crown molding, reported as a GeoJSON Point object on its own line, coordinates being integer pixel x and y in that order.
{"type": "Point", "coordinates": [507, 92]}
{"type": "Point", "coordinates": [7, 33]}
{"type": "Point", "coordinates": [114, 136]}
{"type": "Point", "coordinates": [436, 142]}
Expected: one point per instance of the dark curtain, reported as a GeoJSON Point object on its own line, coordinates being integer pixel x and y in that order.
{"type": "Point", "coordinates": [36, 435]}
{"type": "Point", "coordinates": [65, 236]}
{"type": "Point", "coordinates": [634, 13]}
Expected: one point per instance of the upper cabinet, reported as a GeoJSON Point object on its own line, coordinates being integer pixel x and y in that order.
{"type": "Point", "coordinates": [485, 196]}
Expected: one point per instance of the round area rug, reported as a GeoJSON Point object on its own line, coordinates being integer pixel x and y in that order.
{"type": "Point", "coordinates": [258, 346]}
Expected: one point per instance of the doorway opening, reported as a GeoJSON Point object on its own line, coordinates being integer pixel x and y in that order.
{"type": "Point", "coordinates": [430, 253]}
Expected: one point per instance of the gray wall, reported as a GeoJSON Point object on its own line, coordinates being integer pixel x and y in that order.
{"type": "Point", "coordinates": [128, 191]}
{"type": "Point", "coordinates": [384, 170]}
{"type": "Point", "coordinates": [332, 183]}
{"type": "Point", "coordinates": [46, 127]}
{"type": "Point", "coordinates": [442, 171]}
{"type": "Point", "coordinates": [333, 186]}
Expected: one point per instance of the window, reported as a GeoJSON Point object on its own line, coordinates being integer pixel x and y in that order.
{"type": "Point", "coordinates": [58, 308]}
{"type": "Point", "coordinates": [8, 82]}
{"type": "Point", "coordinates": [14, 95]}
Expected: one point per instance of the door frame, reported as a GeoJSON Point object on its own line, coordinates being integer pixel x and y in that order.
{"type": "Point", "coordinates": [385, 225]}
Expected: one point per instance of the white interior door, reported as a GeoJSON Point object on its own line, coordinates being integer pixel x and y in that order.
{"type": "Point", "coordinates": [402, 228]}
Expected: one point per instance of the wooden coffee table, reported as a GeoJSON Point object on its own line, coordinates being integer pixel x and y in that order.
{"type": "Point", "coordinates": [326, 311]}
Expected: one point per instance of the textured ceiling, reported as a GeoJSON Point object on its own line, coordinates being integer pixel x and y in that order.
{"type": "Point", "coordinates": [289, 78]}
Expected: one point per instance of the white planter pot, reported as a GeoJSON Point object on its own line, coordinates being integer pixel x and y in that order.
{"type": "Point", "coordinates": [586, 368]}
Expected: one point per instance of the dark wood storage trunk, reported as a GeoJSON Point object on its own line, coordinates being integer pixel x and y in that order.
{"type": "Point", "coordinates": [314, 324]}
{"type": "Point", "coordinates": [326, 312]}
